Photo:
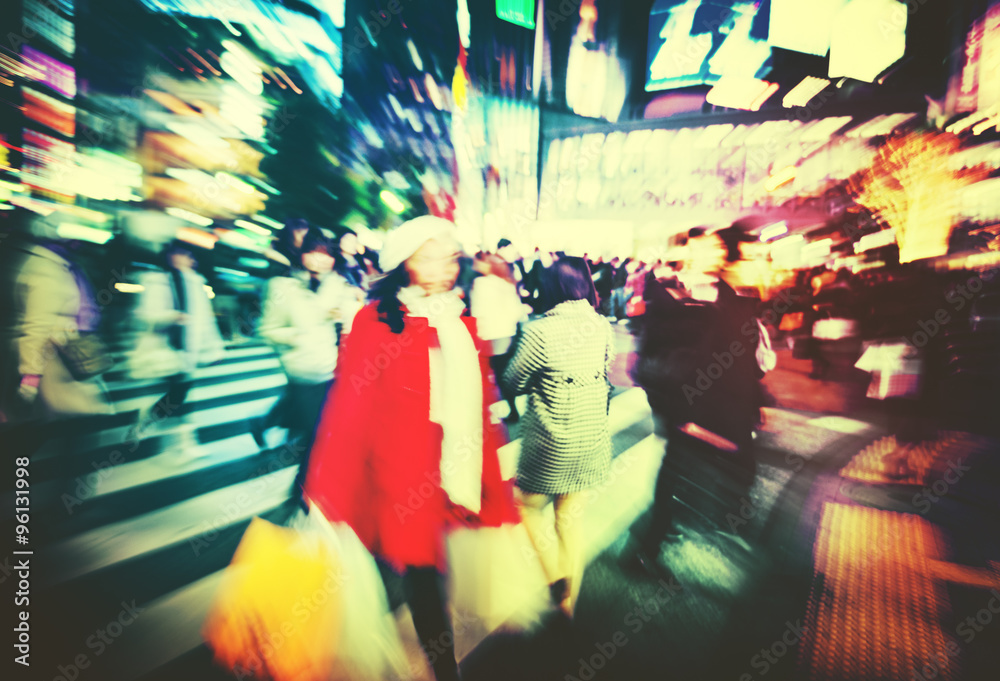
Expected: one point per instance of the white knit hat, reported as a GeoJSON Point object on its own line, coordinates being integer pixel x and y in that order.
{"type": "Point", "coordinates": [407, 239]}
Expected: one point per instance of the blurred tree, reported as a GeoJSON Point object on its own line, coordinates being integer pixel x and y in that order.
{"type": "Point", "coordinates": [310, 140]}
{"type": "Point", "coordinates": [912, 188]}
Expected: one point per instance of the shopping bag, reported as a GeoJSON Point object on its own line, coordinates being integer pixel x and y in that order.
{"type": "Point", "coordinates": [896, 369]}
{"type": "Point", "coordinates": [277, 616]}
{"type": "Point", "coordinates": [368, 645]}
{"type": "Point", "coordinates": [495, 580]}
{"type": "Point", "coordinates": [767, 358]}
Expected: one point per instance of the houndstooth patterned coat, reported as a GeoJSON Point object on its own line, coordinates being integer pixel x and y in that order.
{"type": "Point", "coordinates": [562, 363]}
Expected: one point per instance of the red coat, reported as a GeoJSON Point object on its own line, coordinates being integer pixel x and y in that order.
{"type": "Point", "coordinates": [376, 459]}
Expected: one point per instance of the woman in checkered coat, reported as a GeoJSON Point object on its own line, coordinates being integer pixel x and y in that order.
{"type": "Point", "coordinates": [562, 363]}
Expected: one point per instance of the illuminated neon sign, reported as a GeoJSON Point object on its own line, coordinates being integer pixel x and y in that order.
{"type": "Point", "coordinates": [520, 12]}
{"type": "Point", "coordinates": [697, 42]}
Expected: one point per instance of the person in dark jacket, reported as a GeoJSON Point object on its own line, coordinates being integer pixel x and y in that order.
{"type": "Point", "coordinates": [603, 274]}
{"type": "Point", "coordinates": [348, 261]}
{"type": "Point", "coordinates": [619, 278]}
{"type": "Point", "coordinates": [696, 361]}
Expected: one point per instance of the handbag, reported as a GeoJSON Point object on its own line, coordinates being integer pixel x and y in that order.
{"type": "Point", "coordinates": [85, 356]}
{"type": "Point", "coordinates": [896, 369]}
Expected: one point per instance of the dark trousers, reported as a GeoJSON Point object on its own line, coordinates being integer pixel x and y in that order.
{"type": "Point", "coordinates": [304, 404]}
{"type": "Point", "coordinates": [178, 387]}
{"type": "Point", "coordinates": [424, 590]}
{"type": "Point", "coordinates": [715, 476]}
{"type": "Point", "coordinates": [499, 364]}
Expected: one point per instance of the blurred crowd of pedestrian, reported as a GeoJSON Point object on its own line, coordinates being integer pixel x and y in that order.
{"type": "Point", "coordinates": [401, 363]}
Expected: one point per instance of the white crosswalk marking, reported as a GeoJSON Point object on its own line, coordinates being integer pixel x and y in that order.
{"type": "Point", "coordinates": [140, 509]}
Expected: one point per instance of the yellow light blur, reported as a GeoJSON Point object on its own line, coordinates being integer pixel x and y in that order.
{"type": "Point", "coordinates": [912, 188]}
{"type": "Point", "coordinates": [252, 227]}
{"type": "Point", "coordinates": [392, 201]}
{"type": "Point", "coordinates": [189, 216]}
{"type": "Point", "coordinates": [783, 176]}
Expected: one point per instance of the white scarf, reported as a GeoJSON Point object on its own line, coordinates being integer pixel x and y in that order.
{"type": "Point", "coordinates": [456, 393]}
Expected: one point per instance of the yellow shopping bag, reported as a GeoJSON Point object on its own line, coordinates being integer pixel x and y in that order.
{"type": "Point", "coordinates": [277, 614]}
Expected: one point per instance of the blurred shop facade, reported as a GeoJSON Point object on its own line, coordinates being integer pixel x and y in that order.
{"type": "Point", "coordinates": [587, 126]}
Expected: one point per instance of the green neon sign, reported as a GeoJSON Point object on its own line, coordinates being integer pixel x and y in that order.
{"type": "Point", "coordinates": [520, 12]}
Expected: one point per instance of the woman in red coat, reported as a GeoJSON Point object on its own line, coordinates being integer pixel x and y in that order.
{"type": "Point", "coordinates": [405, 447]}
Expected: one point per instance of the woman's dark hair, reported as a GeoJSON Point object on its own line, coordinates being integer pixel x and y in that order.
{"type": "Point", "coordinates": [314, 240]}
{"type": "Point", "coordinates": [285, 241]}
{"type": "Point", "coordinates": [171, 248]}
{"type": "Point", "coordinates": [386, 292]}
{"type": "Point", "coordinates": [352, 273]}
{"type": "Point", "coordinates": [569, 278]}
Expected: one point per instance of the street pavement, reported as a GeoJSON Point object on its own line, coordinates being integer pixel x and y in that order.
{"type": "Point", "coordinates": [143, 532]}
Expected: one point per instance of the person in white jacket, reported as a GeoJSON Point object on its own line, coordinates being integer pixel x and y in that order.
{"type": "Point", "coordinates": [175, 305]}
{"type": "Point", "coordinates": [300, 316]}
{"type": "Point", "coordinates": [497, 308]}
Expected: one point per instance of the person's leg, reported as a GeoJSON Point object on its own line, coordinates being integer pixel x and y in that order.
{"type": "Point", "coordinates": [661, 514]}
{"type": "Point", "coordinates": [274, 417]}
{"type": "Point", "coordinates": [168, 405]}
{"type": "Point", "coordinates": [742, 471]}
{"type": "Point", "coordinates": [618, 303]}
{"type": "Point", "coordinates": [425, 594]}
{"type": "Point", "coordinates": [312, 398]}
{"type": "Point", "coordinates": [532, 508]}
{"type": "Point", "coordinates": [569, 512]}
{"type": "Point", "coordinates": [499, 364]}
